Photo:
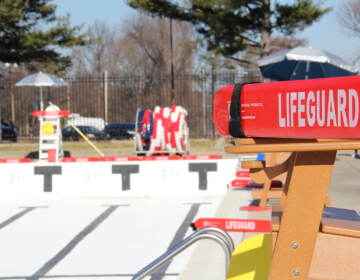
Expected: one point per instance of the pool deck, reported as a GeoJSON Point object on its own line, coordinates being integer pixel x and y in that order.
{"type": "Point", "coordinates": [113, 238]}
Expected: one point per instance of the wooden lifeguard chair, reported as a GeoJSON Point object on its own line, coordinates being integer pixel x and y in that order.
{"type": "Point", "coordinates": [50, 138]}
{"type": "Point", "coordinates": [307, 243]}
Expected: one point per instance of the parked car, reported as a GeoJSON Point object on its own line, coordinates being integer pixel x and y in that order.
{"type": "Point", "coordinates": [8, 132]}
{"type": "Point", "coordinates": [120, 130]}
{"type": "Point", "coordinates": [69, 133]}
{"type": "Point", "coordinates": [78, 120]}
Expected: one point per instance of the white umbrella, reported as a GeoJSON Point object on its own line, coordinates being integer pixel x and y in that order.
{"type": "Point", "coordinates": [303, 63]}
{"type": "Point", "coordinates": [41, 80]}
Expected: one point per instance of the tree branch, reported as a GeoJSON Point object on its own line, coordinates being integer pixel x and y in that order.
{"type": "Point", "coordinates": [240, 60]}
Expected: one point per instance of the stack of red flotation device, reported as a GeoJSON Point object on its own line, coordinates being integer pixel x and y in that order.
{"type": "Point", "coordinates": [162, 131]}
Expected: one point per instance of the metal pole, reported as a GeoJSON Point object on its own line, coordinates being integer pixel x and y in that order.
{"type": "Point", "coordinates": [307, 70]}
{"type": "Point", "coordinates": [106, 96]}
{"type": "Point", "coordinates": [204, 119]}
{"type": "Point", "coordinates": [0, 123]}
{"type": "Point", "coordinates": [11, 95]}
{"type": "Point", "coordinates": [172, 64]}
{"type": "Point", "coordinates": [68, 97]}
{"type": "Point", "coordinates": [41, 100]}
{"type": "Point", "coordinates": [213, 82]}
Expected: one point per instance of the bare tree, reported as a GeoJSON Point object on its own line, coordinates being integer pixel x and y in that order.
{"type": "Point", "coordinates": [276, 44]}
{"type": "Point", "coordinates": [141, 47]}
{"type": "Point", "coordinates": [147, 46]}
{"type": "Point", "coordinates": [103, 52]}
{"type": "Point", "coordinates": [156, 49]}
{"type": "Point", "coordinates": [283, 43]}
{"type": "Point", "coordinates": [148, 49]}
{"type": "Point", "coordinates": [252, 55]}
{"type": "Point", "coordinates": [349, 17]}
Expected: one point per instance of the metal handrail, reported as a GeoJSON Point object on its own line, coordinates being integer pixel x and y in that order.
{"type": "Point", "coordinates": [219, 232]}
{"type": "Point", "coordinates": [212, 233]}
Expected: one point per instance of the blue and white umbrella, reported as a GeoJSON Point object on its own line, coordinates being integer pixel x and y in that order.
{"type": "Point", "coordinates": [41, 80]}
{"type": "Point", "coordinates": [303, 63]}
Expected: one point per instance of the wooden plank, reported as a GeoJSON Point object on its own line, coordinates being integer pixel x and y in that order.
{"type": "Point", "coordinates": [341, 227]}
{"type": "Point", "coordinates": [252, 164]}
{"type": "Point", "coordinates": [249, 141]}
{"type": "Point", "coordinates": [335, 257]}
{"type": "Point", "coordinates": [328, 225]}
{"type": "Point", "coordinates": [295, 147]}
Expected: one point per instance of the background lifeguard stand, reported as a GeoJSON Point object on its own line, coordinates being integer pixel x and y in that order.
{"type": "Point", "coordinates": [50, 138]}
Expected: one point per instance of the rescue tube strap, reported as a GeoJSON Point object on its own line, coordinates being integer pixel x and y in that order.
{"type": "Point", "coordinates": [235, 127]}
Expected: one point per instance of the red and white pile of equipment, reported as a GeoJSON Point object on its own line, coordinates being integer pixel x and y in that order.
{"type": "Point", "coordinates": [162, 131]}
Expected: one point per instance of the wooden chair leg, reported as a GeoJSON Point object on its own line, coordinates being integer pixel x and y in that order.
{"type": "Point", "coordinates": [310, 177]}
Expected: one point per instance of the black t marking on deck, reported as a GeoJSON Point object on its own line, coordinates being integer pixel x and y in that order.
{"type": "Point", "coordinates": [47, 171]}
{"type": "Point", "coordinates": [202, 168]}
{"type": "Point", "coordinates": [125, 171]}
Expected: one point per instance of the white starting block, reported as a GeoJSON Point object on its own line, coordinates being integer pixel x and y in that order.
{"type": "Point", "coordinates": [50, 139]}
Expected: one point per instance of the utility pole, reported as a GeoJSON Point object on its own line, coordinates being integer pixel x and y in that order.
{"type": "Point", "coordinates": [10, 67]}
{"type": "Point", "coordinates": [106, 95]}
{"type": "Point", "coordinates": [172, 64]}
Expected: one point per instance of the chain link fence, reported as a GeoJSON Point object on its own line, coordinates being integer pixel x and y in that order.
{"type": "Point", "coordinates": [116, 99]}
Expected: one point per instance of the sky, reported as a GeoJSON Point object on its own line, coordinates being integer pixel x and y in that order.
{"type": "Point", "coordinates": [325, 34]}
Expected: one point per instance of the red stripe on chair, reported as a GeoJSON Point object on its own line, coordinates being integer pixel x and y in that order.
{"type": "Point", "coordinates": [61, 113]}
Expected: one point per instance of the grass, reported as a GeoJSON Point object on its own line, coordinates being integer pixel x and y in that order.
{"type": "Point", "coordinates": [113, 147]}
{"type": "Point", "coordinates": [101, 144]}
{"type": "Point", "coordinates": [113, 144]}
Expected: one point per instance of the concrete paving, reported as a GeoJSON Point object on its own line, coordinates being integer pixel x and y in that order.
{"type": "Point", "coordinates": [344, 189]}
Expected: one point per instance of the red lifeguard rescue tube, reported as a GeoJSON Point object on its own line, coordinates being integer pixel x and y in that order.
{"type": "Point", "coordinates": [318, 108]}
